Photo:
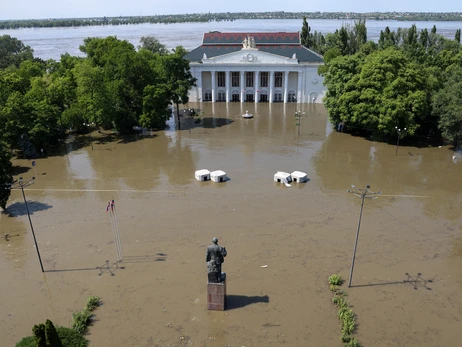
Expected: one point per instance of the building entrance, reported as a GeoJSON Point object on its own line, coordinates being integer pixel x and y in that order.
{"type": "Point", "coordinates": [249, 98]}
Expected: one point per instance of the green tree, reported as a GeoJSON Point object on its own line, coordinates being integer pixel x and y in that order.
{"type": "Point", "coordinates": [13, 52]}
{"type": "Point", "coordinates": [39, 334]}
{"type": "Point", "coordinates": [152, 44]}
{"type": "Point", "coordinates": [457, 36]}
{"type": "Point", "coordinates": [447, 105]}
{"type": "Point", "coordinates": [6, 176]}
{"type": "Point", "coordinates": [175, 72]}
{"type": "Point", "coordinates": [51, 334]}
{"type": "Point", "coordinates": [305, 34]}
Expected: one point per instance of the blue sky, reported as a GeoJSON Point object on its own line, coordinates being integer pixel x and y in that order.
{"type": "Point", "coordinates": [27, 9]}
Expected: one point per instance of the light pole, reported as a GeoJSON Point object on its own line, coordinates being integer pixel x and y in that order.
{"type": "Point", "coordinates": [21, 184]}
{"type": "Point", "coordinates": [361, 193]}
{"type": "Point", "coordinates": [399, 131]}
{"type": "Point", "coordinates": [298, 114]}
{"type": "Point", "coordinates": [89, 130]}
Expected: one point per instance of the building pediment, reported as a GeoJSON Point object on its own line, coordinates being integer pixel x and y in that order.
{"type": "Point", "coordinates": [250, 56]}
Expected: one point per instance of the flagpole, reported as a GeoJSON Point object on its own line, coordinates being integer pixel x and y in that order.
{"type": "Point", "coordinates": [119, 242]}
{"type": "Point", "coordinates": [113, 229]}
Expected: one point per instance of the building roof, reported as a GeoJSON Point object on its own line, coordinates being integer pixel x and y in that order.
{"type": "Point", "coordinates": [268, 38]}
{"type": "Point", "coordinates": [279, 43]}
{"type": "Point", "coordinates": [303, 54]}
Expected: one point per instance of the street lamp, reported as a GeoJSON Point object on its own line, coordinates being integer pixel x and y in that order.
{"type": "Point", "coordinates": [298, 114]}
{"type": "Point", "coordinates": [21, 184]}
{"type": "Point", "coordinates": [91, 139]}
{"type": "Point", "coordinates": [399, 131]}
{"type": "Point", "coordinates": [361, 193]}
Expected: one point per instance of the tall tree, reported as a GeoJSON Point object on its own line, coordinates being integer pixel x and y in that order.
{"type": "Point", "coordinates": [52, 337]}
{"type": "Point", "coordinates": [447, 105]}
{"type": "Point", "coordinates": [305, 34]}
{"type": "Point", "coordinates": [6, 177]}
{"type": "Point", "coordinates": [13, 52]}
{"type": "Point", "coordinates": [457, 36]}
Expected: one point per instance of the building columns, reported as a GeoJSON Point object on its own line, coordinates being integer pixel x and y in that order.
{"type": "Point", "coordinates": [299, 88]}
{"type": "Point", "coordinates": [199, 87]}
{"type": "Point", "coordinates": [271, 87]}
{"type": "Point", "coordinates": [213, 86]}
{"type": "Point", "coordinates": [286, 83]}
{"type": "Point", "coordinates": [227, 84]}
{"type": "Point", "coordinates": [242, 85]}
{"type": "Point", "coordinates": [257, 93]}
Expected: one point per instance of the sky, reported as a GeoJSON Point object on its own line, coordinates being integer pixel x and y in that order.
{"type": "Point", "coordinates": [39, 9]}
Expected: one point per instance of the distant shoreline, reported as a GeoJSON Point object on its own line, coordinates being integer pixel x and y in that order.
{"type": "Point", "coordinates": [211, 17]}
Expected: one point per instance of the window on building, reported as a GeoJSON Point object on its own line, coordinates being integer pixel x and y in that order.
{"type": "Point", "coordinates": [221, 79]}
{"type": "Point", "coordinates": [263, 79]}
{"type": "Point", "coordinates": [208, 95]}
{"type": "Point", "coordinates": [291, 96]}
{"type": "Point", "coordinates": [277, 96]}
{"type": "Point", "coordinates": [249, 79]}
{"type": "Point", "coordinates": [278, 79]}
{"type": "Point", "coordinates": [235, 79]}
{"type": "Point", "coordinates": [221, 95]}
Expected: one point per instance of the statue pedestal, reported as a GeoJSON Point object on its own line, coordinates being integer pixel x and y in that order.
{"type": "Point", "coordinates": [216, 296]}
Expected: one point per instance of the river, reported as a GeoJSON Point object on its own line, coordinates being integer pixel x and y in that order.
{"type": "Point", "coordinates": [283, 242]}
{"type": "Point", "coordinates": [50, 43]}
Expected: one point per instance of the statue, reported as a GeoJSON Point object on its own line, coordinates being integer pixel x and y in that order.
{"type": "Point", "coordinates": [245, 43]}
{"type": "Point", "coordinates": [252, 42]}
{"type": "Point", "coordinates": [215, 257]}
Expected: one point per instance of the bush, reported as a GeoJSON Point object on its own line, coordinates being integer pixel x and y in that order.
{"type": "Point", "coordinates": [69, 338]}
{"type": "Point", "coordinates": [335, 280]}
{"type": "Point", "coordinates": [39, 334]}
{"type": "Point", "coordinates": [81, 320]}
{"type": "Point", "coordinates": [93, 302]}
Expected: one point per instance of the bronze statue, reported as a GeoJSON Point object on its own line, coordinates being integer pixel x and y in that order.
{"type": "Point", "coordinates": [215, 257]}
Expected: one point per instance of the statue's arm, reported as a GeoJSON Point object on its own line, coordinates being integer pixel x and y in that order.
{"type": "Point", "coordinates": [208, 257]}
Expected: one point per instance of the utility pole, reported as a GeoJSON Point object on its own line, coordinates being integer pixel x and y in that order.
{"type": "Point", "coordinates": [21, 184]}
{"type": "Point", "coordinates": [361, 193]}
{"type": "Point", "coordinates": [399, 131]}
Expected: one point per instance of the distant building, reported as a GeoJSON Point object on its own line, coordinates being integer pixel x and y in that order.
{"type": "Point", "coordinates": [255, 67]}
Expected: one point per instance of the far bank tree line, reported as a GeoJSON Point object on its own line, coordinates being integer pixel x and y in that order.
{"type": "Point", "coordinates": [409, 79]}
{"type": "Point", "coordinates": [114, 86]}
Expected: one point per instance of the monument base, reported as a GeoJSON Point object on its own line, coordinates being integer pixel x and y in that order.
{"type": "Point", "coordinates": [216, 296]}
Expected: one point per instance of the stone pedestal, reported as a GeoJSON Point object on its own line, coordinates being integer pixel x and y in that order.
{"type": "Point", "coordinates": [216, 296]}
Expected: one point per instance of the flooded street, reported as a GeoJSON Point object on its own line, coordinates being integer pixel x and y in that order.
{"type": "Point", "coordinates": [407, 284]}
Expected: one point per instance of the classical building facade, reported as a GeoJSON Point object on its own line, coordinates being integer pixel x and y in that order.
{"type": "Point", "coordinates": [255, 67]}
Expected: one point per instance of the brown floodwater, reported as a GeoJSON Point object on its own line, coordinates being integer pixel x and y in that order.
{"type": "Point", "coordinates": [407, 283]}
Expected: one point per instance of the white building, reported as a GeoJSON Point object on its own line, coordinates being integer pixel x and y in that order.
{"type": "Point", "coordinates": [255, 67]}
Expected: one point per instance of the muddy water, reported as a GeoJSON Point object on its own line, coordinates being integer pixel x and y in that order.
{"type": "Point", "coordinates": [407, 279]}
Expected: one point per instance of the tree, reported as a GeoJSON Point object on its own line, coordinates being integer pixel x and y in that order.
{"type": "Point", "coordinates": [177, 76]}
{"type": "Point", "coordinates": [39, 334]}
{"type": "Point", "coordinates": [383, 90]}
{"type": "Point", "coordinates": [447, 105]}
{"type": "Point", "coordinates": [52, 337]}
{"type": "Point", "coordinates": [6, 176]}
{"type": "Point", "coordinates": [13, 52]}
{"type": "Point", "coordinates": [305, 35]}
{"type": "Point", "coordinates": [457, 36]}
{"type": "Point", "coordinates": [152, 44]}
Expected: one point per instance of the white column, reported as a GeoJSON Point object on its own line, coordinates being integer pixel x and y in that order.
{"type": "Point", "coordinates": [257, 85]}
{"type": "Point", "coordinates": [227, 83]}
{"type": "Point", "coordinates": [286, 84]}
{"type": "Point", "coordinates": [271, 91]}
{"type": "Point", "coordinates": [299, 88]}
{"type": "Point", "coordinates": [199, 86]}
{"type": "Point", "coordinates": [213, 86]}
{"type": "Point", "coordinates": [242, 85]}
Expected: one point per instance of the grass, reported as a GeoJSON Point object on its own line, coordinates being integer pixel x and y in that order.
{"type": "Point", "coordinates": [345, 314]}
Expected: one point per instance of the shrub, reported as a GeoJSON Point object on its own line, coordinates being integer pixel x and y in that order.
{"type": "Point", "coordinates": [93, 302]}
{"type": "Point", "coordinates": [39, 334]}
{"type": "Point", "coordinates": [80, 320]}
{"type": "Point", "coordinates": [352, 343]}
{"type": "Point", "coordinates": [52, 337]}
{"type": "Point", "coordinates": [69, 338]}
{"type": "Point", "coordinates": [335, 280]}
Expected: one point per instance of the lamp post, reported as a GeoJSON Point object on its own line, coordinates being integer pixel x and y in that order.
{"type": "Point", "coordinates": [361, 193]}
{"type": "Point", "coordinates": [89, 130]}
{"type": "Point", "coordinates": [21, 184]}
{"type": "Point", "coordinates": [399, 131]}
{"type": "Point", "coordinates": [298, 114]}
